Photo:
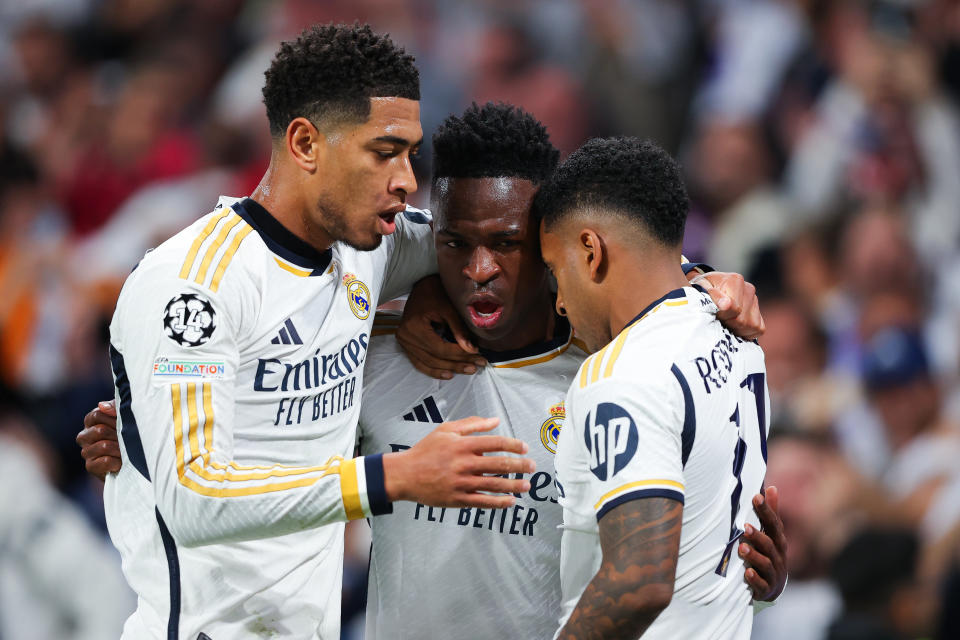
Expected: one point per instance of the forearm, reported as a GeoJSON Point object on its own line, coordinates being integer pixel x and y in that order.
{"type": "Point", "coordinates": [640, 541]}
{"type": "Point", "coordinates": [611, 607]}
{"type": "Point", "coordinates": [215, 503]}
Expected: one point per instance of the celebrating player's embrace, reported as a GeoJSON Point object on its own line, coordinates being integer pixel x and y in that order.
{"type": "Point", "coordinates": [245, 352]}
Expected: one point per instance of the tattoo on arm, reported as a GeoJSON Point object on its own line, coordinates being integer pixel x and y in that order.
{"type": "Point", "coordinates": [640, 540]}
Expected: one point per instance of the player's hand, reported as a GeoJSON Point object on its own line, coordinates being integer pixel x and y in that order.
{"type": "Point", "coordinates": [426, 308]}
{"type": "Point", "coordinates": [765, 552]}
{"type": "Point", "coordinates": [448, 467]}
{"type": "Point", "coordinates": [98, 440]}
{"type": "Point", "coordinates": [737, 303]}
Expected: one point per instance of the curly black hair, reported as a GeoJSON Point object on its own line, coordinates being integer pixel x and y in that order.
{"type": "Point", "coordinates": [330, 72]}
{"type": "Point", "coordinates": [629, 176]}
{"type": "Point", "coordinates": [492, 141]}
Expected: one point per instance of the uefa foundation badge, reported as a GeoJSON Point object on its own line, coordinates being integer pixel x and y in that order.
{"type": "Point", "coordinates": [358, 296]}
{"type": "Point", "coordinates": [550, 430]}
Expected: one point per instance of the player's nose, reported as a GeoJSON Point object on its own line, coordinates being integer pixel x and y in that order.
{"type": "Point", "coordinates": [403, 181]}
{"type": "Point", "coordinates": [482, 266]}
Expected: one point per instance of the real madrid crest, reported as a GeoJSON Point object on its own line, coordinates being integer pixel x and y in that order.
{"type": "Point", "coordinates": [358, 296]}
{"type": "Point", "coordinates": [550, 430]}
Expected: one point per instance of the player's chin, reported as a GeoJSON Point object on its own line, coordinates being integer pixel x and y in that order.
{"type": "Point", "coordinates": [364, 242]}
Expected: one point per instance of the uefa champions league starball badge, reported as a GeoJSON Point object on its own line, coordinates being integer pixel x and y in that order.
{"type": "Point", "coordinates": [189, 320]}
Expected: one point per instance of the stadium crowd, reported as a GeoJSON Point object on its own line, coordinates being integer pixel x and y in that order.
{"type": "Point", "coordinates": [821, 141]}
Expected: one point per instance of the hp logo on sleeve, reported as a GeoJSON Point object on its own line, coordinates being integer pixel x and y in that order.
{"type": "Point", "coordinates": [611, 437]}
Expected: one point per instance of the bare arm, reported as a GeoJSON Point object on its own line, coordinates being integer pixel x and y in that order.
{"type": "Point", "coordinates": [640, 540]}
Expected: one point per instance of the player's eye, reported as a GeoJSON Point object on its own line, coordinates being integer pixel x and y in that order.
{"type": "Point", "coordinates": [507, 244]}
{"type": "Point", "coordinates": [454, 244]}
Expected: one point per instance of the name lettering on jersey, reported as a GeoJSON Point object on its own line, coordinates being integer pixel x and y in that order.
{"type": "Point", "coordinates": [358, 296]}
{"type": "Point", "coordinates": [611, 437]}
{"type": "Point", "coordinates": [518, 520]}
{"type": "Point", "coordinates": [335, 373]}
{"type": "Point", "coordinates": [189, 319]}
{"type": "Point", "coordinates": [550, 429]}
{"type": "Point", "coordinates": [715, 366]}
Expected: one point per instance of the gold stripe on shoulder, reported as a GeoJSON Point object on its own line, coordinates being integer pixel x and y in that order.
{"type": "Point", "coordinates": [615, 353]}
{"type": "Point", "coordinates": [597, 363]}
{"type": "Point", "coordinates": [584, 368]}
{"type": "Point", "coordinates": [303, 273]}
{"type": "Point", "coordinates": [214, 247]}
{"type": "Point", "coordinates": [228, 256]}
{"type": "Point", "coordinates": [195, 247]}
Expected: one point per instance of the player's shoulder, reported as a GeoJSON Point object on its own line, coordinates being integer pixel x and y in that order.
{"type": "Point", "coordinates": [646, 350]}
{"type": "Point", "coordinates": [201, 254]}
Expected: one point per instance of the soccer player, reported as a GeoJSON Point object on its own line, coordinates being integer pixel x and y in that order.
{"type": "Point", "coordinates": [238, 349]}
{"type": "Point", "coordinates": [667, 422]}
{"type": "Point", "coordinates": [484, 573]}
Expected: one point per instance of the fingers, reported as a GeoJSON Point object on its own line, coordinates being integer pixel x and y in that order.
{"type": "Point", "coordinates": [469, 425]}
{"type": "Point", "coordinates": [96, 433]}
{"type": "Point", "coordinates": [100, 467]}
{"type": "Point", "coordinates": [484, 501]}
{"type": "Point", "coordinates": [759, 587]}
{"type": "Point", "coordinates": [771, 496]}
{"type": "Point", "coordinates": [728, 294]}
{"type": "Point", "coordinates": [108, 407]}
{"type": "Point", "coordinates": [459, 330]}
{"type": "Point", "coordinates": [502, 464]}
{"type": "Point", "coordinates": [489, 444]}
{"type": "Point", "coordinates": [760, 573]}
{"type": "Point", "coordinates": [101, 448]}
{"type": "Point", "coordinates": [435, 365]}
{"type": "Point", "coordinates": [496, 484]}
{"type": "Point", "coordinates": [770, 518]}
{"type": "Point", "coordinates": [100, 416]}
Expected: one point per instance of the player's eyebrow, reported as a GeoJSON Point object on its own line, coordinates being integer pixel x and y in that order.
{"type": "Point", "coordinates": [506, 233]}
{"type": "Point", "coordinates": [403, 142]}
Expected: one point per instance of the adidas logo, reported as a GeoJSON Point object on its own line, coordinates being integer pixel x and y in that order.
{"type": "Point", "coordinates": [426, 411]}
{"type": "Point", "coordinates": [288, 334]}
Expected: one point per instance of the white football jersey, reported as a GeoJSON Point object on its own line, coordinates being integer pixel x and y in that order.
{"type": "Point", "coordinates": [238, 353]}
{"type": "Point", "coordinates": [468, 573]}
{"type": "Point", "coordinates": [674, 407]}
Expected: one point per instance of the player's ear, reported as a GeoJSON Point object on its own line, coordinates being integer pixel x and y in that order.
{"type": "Point", "coordinates": [592, 247]}
{"type": "Point", "coordinates": [303, 143]}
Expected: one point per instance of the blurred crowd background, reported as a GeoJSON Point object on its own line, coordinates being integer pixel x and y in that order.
{"type": "Point", "coordinates": [821, 142]}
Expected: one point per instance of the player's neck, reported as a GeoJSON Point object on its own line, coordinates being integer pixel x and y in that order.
{"type": "Point", "coordinates": [284, 203]}
{"type": "Point", "coordinates": [637, 283]}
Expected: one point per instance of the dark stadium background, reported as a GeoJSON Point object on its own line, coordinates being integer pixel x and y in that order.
{"type": "Point", "coordinates": [821, 142]}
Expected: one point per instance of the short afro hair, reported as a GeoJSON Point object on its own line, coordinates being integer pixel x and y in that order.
{"type": "Point", "coordinates": [330, 72]}
{"type": "Point", "coordinates": [493, 141]}
{"type": "Point", "coordinates": [623, 175]}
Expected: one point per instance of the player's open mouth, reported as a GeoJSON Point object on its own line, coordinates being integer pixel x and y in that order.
{"type": "Point", "coordinates": [387, 224]}
{"type": "Point", "coordinates": [484, 314]}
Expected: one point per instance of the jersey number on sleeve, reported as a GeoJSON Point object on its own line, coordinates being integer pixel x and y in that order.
{"type": "Point", "coordinates": [755, 384]}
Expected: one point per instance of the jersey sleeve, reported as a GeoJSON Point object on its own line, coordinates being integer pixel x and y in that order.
{"type": "Point", "coordinates": [175, 356]}
{"type": "Point", "coordinates": [414, 255]}
{"type": "Point", "coordinates": [632, 434]}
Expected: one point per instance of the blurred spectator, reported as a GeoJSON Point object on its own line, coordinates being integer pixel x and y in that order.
{"type": "Point", "coordinates": [882, 130]}
{"type": "Point", "coordinates": [508, 69]}
{"type": "Point", "coordinates": [140, 143]}
{"type": "Point", "coordinates": [882, 596]}
{"type": "Point", "coordinates": [730, 183]}
{"type": "Point", "coordinates": [818, 494]}
{"type": "Point", "coordinates": [59, 580]}
{"type": "Point", "coordinates": [803, 392]}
